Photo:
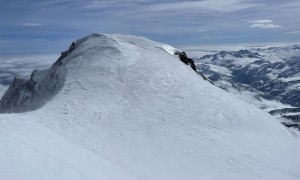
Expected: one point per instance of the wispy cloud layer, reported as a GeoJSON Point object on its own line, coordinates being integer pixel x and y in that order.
{"type": "Point", "coordinates": [172, 21]}
{"type": "Point", "coordinates": [206, 5]}
{"type": "Point", "coordinates": [32, 24]}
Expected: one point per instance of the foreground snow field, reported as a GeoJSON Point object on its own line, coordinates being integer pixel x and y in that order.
{"type": "Point", "coordinates": [130, 109]}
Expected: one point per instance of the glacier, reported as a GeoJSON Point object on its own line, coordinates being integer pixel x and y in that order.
{"type": "Point", "coordinates": [125, 107]}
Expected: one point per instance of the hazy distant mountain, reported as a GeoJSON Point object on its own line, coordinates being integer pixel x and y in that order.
{"type": "Point", "coordinates": [270, 73]}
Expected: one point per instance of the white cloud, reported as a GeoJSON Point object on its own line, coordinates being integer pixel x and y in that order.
{"type": "Point", "coordinates": [23, 64]}
{"type": "Point", "coordinates": [262, 21]}
{"type": "Point", "coordinates": [264, 24]}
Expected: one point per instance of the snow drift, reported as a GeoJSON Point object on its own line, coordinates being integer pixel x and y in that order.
{"type": "Point", "coordinates": [130, 109]}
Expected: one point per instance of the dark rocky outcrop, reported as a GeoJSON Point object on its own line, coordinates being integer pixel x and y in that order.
{"type": "Point", "coordinates": [291, 125]}
{"type": "Point", "coordinates": [30, 94]}
{"type": "Point", "coordinates": [295, 117]}
{"type": "Point", "coordinates": [66, 53]}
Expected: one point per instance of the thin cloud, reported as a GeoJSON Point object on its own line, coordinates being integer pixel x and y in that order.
{"type": "Point", "coordinates": [172, 30]}
{"type": "Point", "coordinates": [208, 5]}
{"type": "Point", "coordinates": [32, 24]}
{"type": "Point", "coordinates": [264, 24]}
{"type": "Point", "coordinates": [292, 32]}
{"type": "Point", "coordinates": [226, 36]}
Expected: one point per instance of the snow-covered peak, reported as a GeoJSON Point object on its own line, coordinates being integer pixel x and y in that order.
{"type": "Point", "coordinates": [31, 94]}
{"type": "Point", "coordinates": [128, 101]}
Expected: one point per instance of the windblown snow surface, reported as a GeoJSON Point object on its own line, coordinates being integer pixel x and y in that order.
{"type": "Point", "coordinates": [131, 110]}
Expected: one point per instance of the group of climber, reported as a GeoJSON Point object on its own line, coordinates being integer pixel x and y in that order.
{"type": "Point", "coordinates": [188, 61]}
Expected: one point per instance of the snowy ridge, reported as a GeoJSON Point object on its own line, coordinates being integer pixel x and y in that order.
{"type": "Point", "coordinates": [143, 114]}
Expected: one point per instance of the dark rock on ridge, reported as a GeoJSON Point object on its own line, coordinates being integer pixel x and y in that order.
{"type": "Point", "coordinates": [30, 94]}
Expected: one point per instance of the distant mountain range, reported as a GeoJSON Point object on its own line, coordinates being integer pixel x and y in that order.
{"type": "Point", "coordinates": [267, 73]}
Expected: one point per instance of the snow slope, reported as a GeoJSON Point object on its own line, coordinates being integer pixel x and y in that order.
{"type": "Point", "coordinates": [131, 110]}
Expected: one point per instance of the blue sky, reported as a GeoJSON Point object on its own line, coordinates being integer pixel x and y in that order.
{"type": "Point", "coordinates": [40, 25]}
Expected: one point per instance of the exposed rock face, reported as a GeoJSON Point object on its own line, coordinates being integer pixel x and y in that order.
{"type": "Point", "coordinates": [30, 94]}
{"type": "Point", "coordinates": [291, 114]}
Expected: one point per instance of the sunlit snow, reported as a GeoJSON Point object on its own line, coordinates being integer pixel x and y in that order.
{"type": "Point", "coordinates": [129, 110]}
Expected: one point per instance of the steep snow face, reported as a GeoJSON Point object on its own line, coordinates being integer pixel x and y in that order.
{"type": "Point", "coordinates": [133, 108]}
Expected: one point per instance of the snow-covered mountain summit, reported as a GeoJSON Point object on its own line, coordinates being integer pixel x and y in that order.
{"type": "Point", "coordinates": [124, 107]}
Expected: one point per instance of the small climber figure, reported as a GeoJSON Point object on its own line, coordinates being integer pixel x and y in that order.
{"type": "Point", "coordinates": [188, 61]}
